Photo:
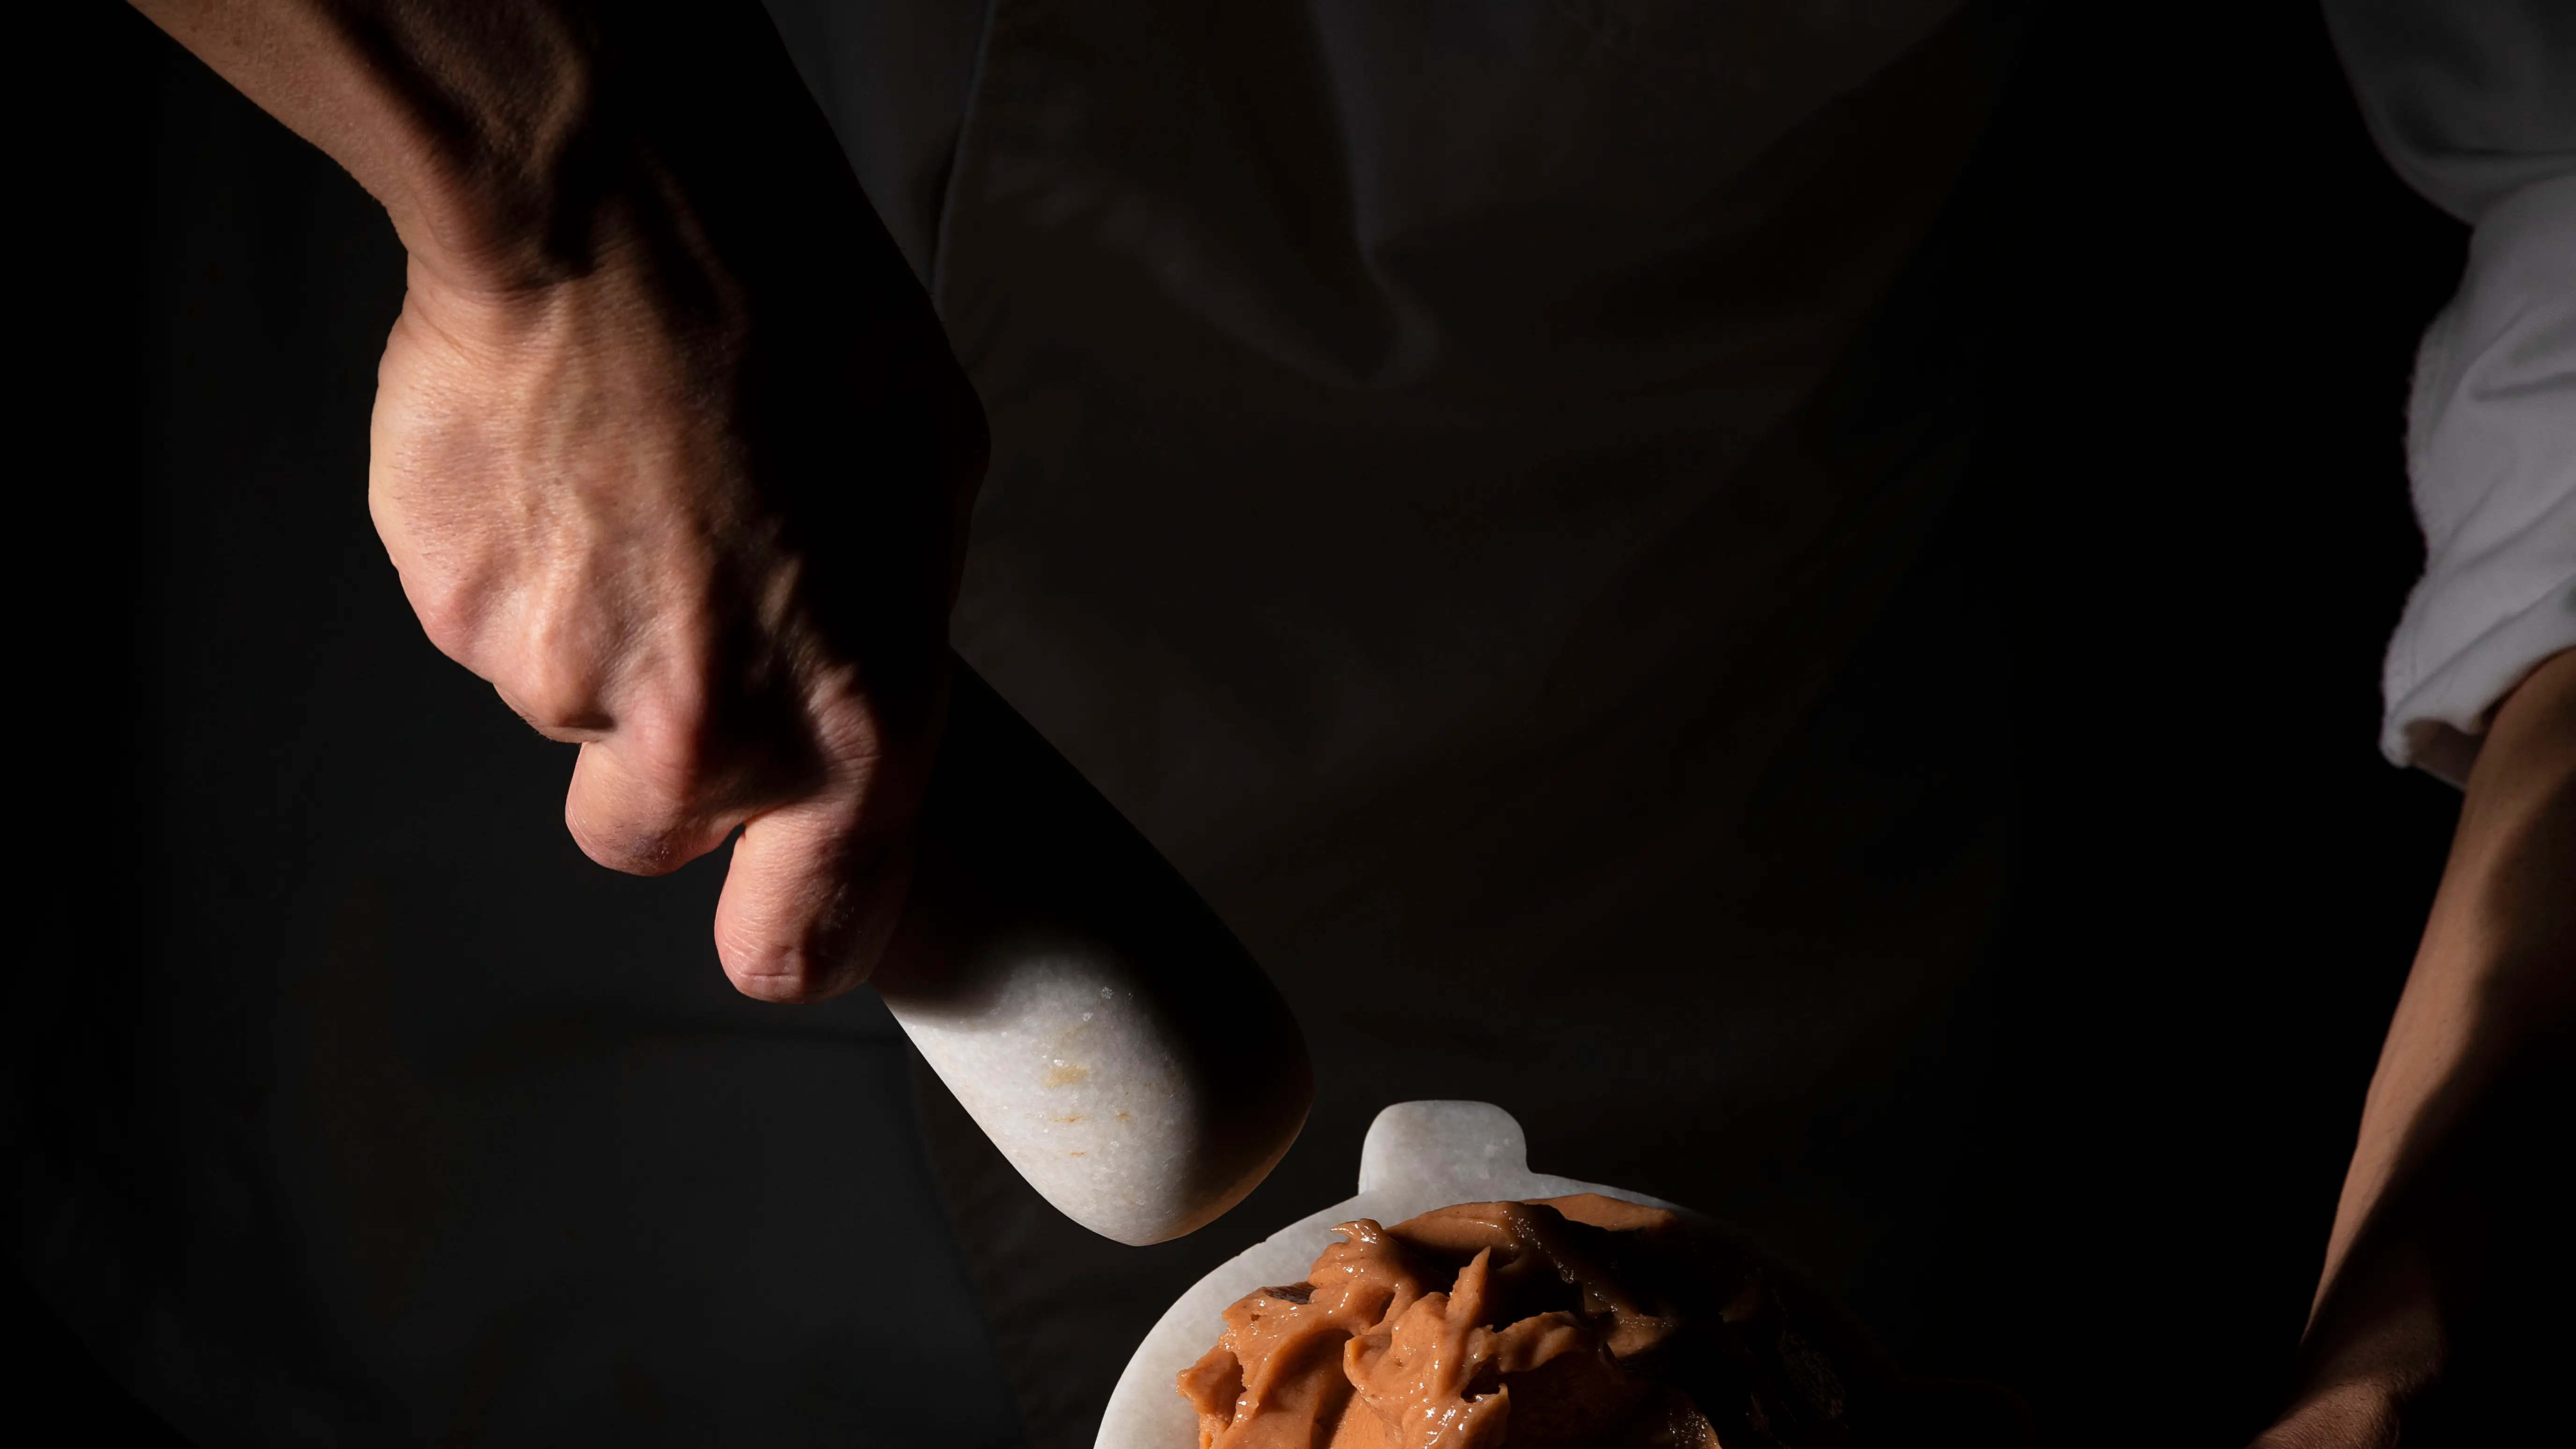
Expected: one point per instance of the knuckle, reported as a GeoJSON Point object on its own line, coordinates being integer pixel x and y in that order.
{"type": "Point", "coordinates": [633, 824]}
{"type": "Point", "coordinates": [451, 613]}
{"type": "Point", "coordinates": [553, 706]}
{"type": "Point", "coordinates": [556, 700]}
{"type": "Point", "coordinates": [558, 674]}
{"type": "Point", "coordinates": [671, 752]}
{"type": "Point", "coordinates": [628, 845]}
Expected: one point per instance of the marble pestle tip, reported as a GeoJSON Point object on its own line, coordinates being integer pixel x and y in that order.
{"type": "Point", "coordinates": [1088, 1010]}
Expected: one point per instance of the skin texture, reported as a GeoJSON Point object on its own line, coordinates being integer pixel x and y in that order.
{"type": "Point", "coordinates": [667, 443]}
{"type": "Point", "coordinates": [2446, 1259]}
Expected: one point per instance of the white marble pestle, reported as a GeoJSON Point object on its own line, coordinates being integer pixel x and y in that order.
{"type": "Point", "coordinates": [1090, 1012]}
{"type": "Point", "coordinates": [1417, 1156]}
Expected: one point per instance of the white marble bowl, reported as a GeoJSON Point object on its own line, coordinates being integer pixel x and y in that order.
{"type": "Point", "coordinates": [1418, 1156]}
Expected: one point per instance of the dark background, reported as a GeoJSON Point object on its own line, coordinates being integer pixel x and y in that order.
{"type": "Point", "coordinates": [2226, 288]}
{"type": "Point", "coordinates": [2223, 286]}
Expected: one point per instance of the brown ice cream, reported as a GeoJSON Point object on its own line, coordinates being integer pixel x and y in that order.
{"type": "Point", "coordinates": [1501, 1325]}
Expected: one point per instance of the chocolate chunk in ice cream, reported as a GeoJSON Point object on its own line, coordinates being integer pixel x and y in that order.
{"type": "Point", "coordinates": [1506, 1325]}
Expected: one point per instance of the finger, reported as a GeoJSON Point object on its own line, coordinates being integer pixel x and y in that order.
{"type": "Point", "coordinates": [812, 894]}
{"type": "Point", "coordinates": [564, 728]}
{"type": "Point", "coordinates": [641, 820]}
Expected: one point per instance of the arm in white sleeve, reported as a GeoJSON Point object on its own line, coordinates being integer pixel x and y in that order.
{"type": "Point", "coordinates": [2474, 104]}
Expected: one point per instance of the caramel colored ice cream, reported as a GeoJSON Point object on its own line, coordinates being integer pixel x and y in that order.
{"type": "Point", "coordinates": [1503, 1325]}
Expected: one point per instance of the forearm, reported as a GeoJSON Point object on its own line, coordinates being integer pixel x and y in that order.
{"type": "Point", "coordinates": [2488, 1013]}
{"type": "Point", "coordinates": [515, 144]}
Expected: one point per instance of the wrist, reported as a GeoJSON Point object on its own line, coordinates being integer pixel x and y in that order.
{"type": "Point", "coordinates": [679, 141]}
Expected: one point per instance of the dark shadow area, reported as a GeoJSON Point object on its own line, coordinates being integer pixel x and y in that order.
{"type": "Point", "coordinates": [54, 1376]}
{"type": "Point", "coordinates": [2226, 290]}
{"type": "Point", "coordinates": [2222, 285]}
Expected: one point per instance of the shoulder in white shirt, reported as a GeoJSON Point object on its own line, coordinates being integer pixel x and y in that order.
{"type": "Point", "coordinates": [2474, 104]}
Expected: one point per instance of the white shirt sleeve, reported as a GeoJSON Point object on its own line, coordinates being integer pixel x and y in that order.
{"type": "Point", "coordinates": [2474, 104]}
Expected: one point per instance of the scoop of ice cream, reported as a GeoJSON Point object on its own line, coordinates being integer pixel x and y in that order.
{"type": "Point", "coordinates": [1580, 1320]}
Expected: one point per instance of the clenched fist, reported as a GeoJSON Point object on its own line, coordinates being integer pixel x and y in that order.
{"type": "Point", "coordinates": [667, 444]}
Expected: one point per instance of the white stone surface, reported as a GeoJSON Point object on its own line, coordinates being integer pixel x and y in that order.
{"type": "Point", "coordinates": [1418, 1156]}
{"type": "Point", "coordinates": [1087, 1009]}
{"type": "Point", "coordinates": [1080, 1086]}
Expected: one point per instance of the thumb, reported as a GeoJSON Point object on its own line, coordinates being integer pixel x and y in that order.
{"type": "Point", "coordinates": [812, 894]}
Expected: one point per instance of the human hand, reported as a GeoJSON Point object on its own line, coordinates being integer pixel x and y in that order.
{"type": "Point", "coordinates": [667, 443]}
{"type": "Point", "coordinates": [712, 538]}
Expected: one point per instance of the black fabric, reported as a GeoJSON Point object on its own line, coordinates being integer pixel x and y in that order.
{"type": "Point", "coordinates": [1778, 991]}
{"type": "Point", "coordinates": [2017, 984]}
{"type": "Point", "coordinates": [1490, 494]}
{"type": "Point", "coordinates": [894, 79]}
{"type": "Point", "coordinates": [2169, 886]}
{"type": "Point", "coordinates": [2226, 289]}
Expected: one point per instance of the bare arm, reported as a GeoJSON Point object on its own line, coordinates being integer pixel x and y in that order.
{"type": "Point", "coordinates": [2430, 1250]}
{"type": "Point", "coordinates": [667, 444]}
